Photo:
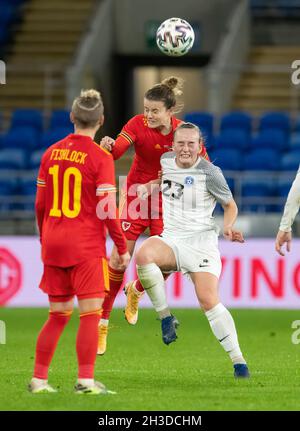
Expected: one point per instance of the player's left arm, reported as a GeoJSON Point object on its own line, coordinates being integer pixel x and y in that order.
{"type": "Point", "coordinates": [230, 216]}
{"type": "Point", "coordinates": [218, 187]}
{"type": "Point", "coordinates": [40, 199]}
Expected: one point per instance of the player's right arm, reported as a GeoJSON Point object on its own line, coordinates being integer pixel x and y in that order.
{"type": "Point", "coordinates": [125, 139]}
{"type": "Point", "coordinates": [291, 208]}
{"type": "Point", "coordinates": [107, 206]}
{"type": "Point", "coordinates": [40, 199]}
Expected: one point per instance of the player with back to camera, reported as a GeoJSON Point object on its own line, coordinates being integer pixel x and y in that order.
{"type": "Point", "coordinates": [151, 134]}
{"type": "Point", "coordinates": [76, 176]}
{"type": "Point", "coordinates": [191, 186]}
{"type": "Point", "coordinates": [291, 208]}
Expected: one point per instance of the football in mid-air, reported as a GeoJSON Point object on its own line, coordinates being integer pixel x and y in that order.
{"type": "Point", "coordinates": [175, 37]}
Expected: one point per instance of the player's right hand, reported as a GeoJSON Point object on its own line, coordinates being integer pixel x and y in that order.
{"type": "Point", "coordinates": [233, 235]}
{"type": "Point", "coordinates": [281, 239]}
{"type": "Point", "coordinates": [107, 143]}
{"type": "Point", "coordinates": [124, 260]}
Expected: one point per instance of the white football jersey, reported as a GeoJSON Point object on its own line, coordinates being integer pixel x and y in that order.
{"type": "Point", "coordinates": [190, 196]}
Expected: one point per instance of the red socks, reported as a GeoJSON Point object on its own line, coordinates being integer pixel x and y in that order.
{"type": "Point", "coordinates": [139, 287]}
{"type": "Point", "coordinates": [47, 342]}
{"type": "Point", "coordinates": [115, 283]}
{"type": "Point", "coordinates": [87, 343]}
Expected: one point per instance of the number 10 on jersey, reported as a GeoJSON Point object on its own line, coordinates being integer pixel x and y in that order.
{"type": "Point", "coordinates": [65, 203]}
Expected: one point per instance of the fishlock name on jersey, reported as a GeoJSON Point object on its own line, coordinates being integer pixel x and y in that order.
{"type": "Point", "coordinates": [72, 156]}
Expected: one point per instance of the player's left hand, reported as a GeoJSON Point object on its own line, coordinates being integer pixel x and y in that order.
{"type": "Point", "coordinates": [233, 235]}
{"type": "Point", "coordinates": [107, 143]}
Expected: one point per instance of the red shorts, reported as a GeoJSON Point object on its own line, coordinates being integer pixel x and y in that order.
{"type": "Point", "coordinates": [88, 279]}
{"type": "Point", "coordinates": [136, 216]}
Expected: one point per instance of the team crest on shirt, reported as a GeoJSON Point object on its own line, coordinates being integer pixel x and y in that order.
{"type": "Point", "coordinates": [189, 181]}
{"type": "Point", "coordinates": [125, 225]}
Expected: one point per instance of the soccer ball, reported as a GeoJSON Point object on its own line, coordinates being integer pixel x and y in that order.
{"type": "Point", "coordinates": [175, 37]}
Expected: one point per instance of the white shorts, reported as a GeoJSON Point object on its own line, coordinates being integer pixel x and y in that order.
{"type": "Point", "coordinates": [199, 253]}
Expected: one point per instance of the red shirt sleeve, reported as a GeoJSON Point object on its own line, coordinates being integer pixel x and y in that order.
{"type": "Point", "coordinates": [40, 199]}
{"type": "Point", "coordinates": [203, 153]}
{"type": "Point", "coordinates": [106, 192]}
{"type": "Point", "coordinates": [126, 138]}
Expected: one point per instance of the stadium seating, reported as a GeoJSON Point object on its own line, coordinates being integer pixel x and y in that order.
{"type": "Point", "coordinates": [203, 120]}
{"type": "Point", "coordinates": [261, 160]}
{"type": "Point", "coordinates": [237, 120]}
{"type": "Point", "coordinates": [227, 159]}
{"type": "Point", "coordinates": [236, 149]}
{"type": "Point", "coordinates": [271, 138]}
{"type": "Point", "coordinates": [35, 159]}
{"type": "Point", "coordinates": [275, 120]}
{"type": "Point", "coordinates": [27, 118]}
{"type": "Point", "coordinates": [51, 136]}
{"type": "Point", "coordinates": [27, 188]}
{"type": "Point", "coordinates": [60, 119]}
{"type": "Point", "coordinates": [232, 138]}
{"type": "Point", "coordinates": [14, 158]}
{"type": "Point", "coordinates": [22, 137]}
{"type": "Point", "coordinates": [295, 141]}
{"type": "Point", "coordinates": [255, 196]}
{"type": "Point", "coordinates": [290, 160]}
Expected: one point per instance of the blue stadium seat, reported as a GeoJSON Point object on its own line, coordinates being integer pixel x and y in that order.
{"type": "Point", "coordinates": [232, 138]}
{"type": "Point", "coordinates": [290, 161]}
{"type": "Point", "coordinates": [227, 159]}
{"type": "Point", "coordinates": [237, 120]}
{"type": "Point", "coordinates": [14, 158]}
{"type": "Point", "coordinates": [8, 187]}
{"type": "Point", "coordinates": [204, 120]}
{"type": "Point", "coordinates": [28, 189]}
{"type": "Point", "coordinates": [50, 137]}
{"type": "Point", "coordinates": [269, 138]}
{"type": "Point", "coordinates": [22, 137]}
{"type": "Point", "coordinates": [61, 119]}
{"type": "Point", "coordinates": [255, 195]}
{"type": "Point", "coordinates": [260, 160]}
{"type": "Point", "coordinates": [295, 141]}
{"type": "Point", "coordinates": [35, 159]}
{"type": "Point", "coordinates": [275, 120]}
{"type": "Point", "coordinates": [27, 118]}
{"type": "Point", "coordinates": [283, 187]}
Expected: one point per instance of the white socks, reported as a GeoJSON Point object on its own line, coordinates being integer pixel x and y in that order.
{"type": "Point", "coordinates": [86, 382]}
{"type": "Point", "coordinates": [222, 325]}
{"type": "Point", "coordinates": [103, 322]}
{"type": "Point", "coordinates": [154, 284]}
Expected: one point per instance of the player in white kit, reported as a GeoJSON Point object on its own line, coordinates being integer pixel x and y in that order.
{"type": "Point", "coordinates": [191, 186]}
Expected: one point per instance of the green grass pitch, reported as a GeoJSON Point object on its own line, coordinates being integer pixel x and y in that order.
{"type": "Point", "coordinates": [194, 373]}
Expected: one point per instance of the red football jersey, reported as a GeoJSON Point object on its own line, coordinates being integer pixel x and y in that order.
{"type": "Point", "coordinates": [74, 172]}
{"type": "Point", "coordinates": [149, 145]}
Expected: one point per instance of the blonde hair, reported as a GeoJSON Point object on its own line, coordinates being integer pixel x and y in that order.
{"type": "Point", "coordinates": [87, 109]}
{"type": "Point", "coordinates": [167, 92]}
